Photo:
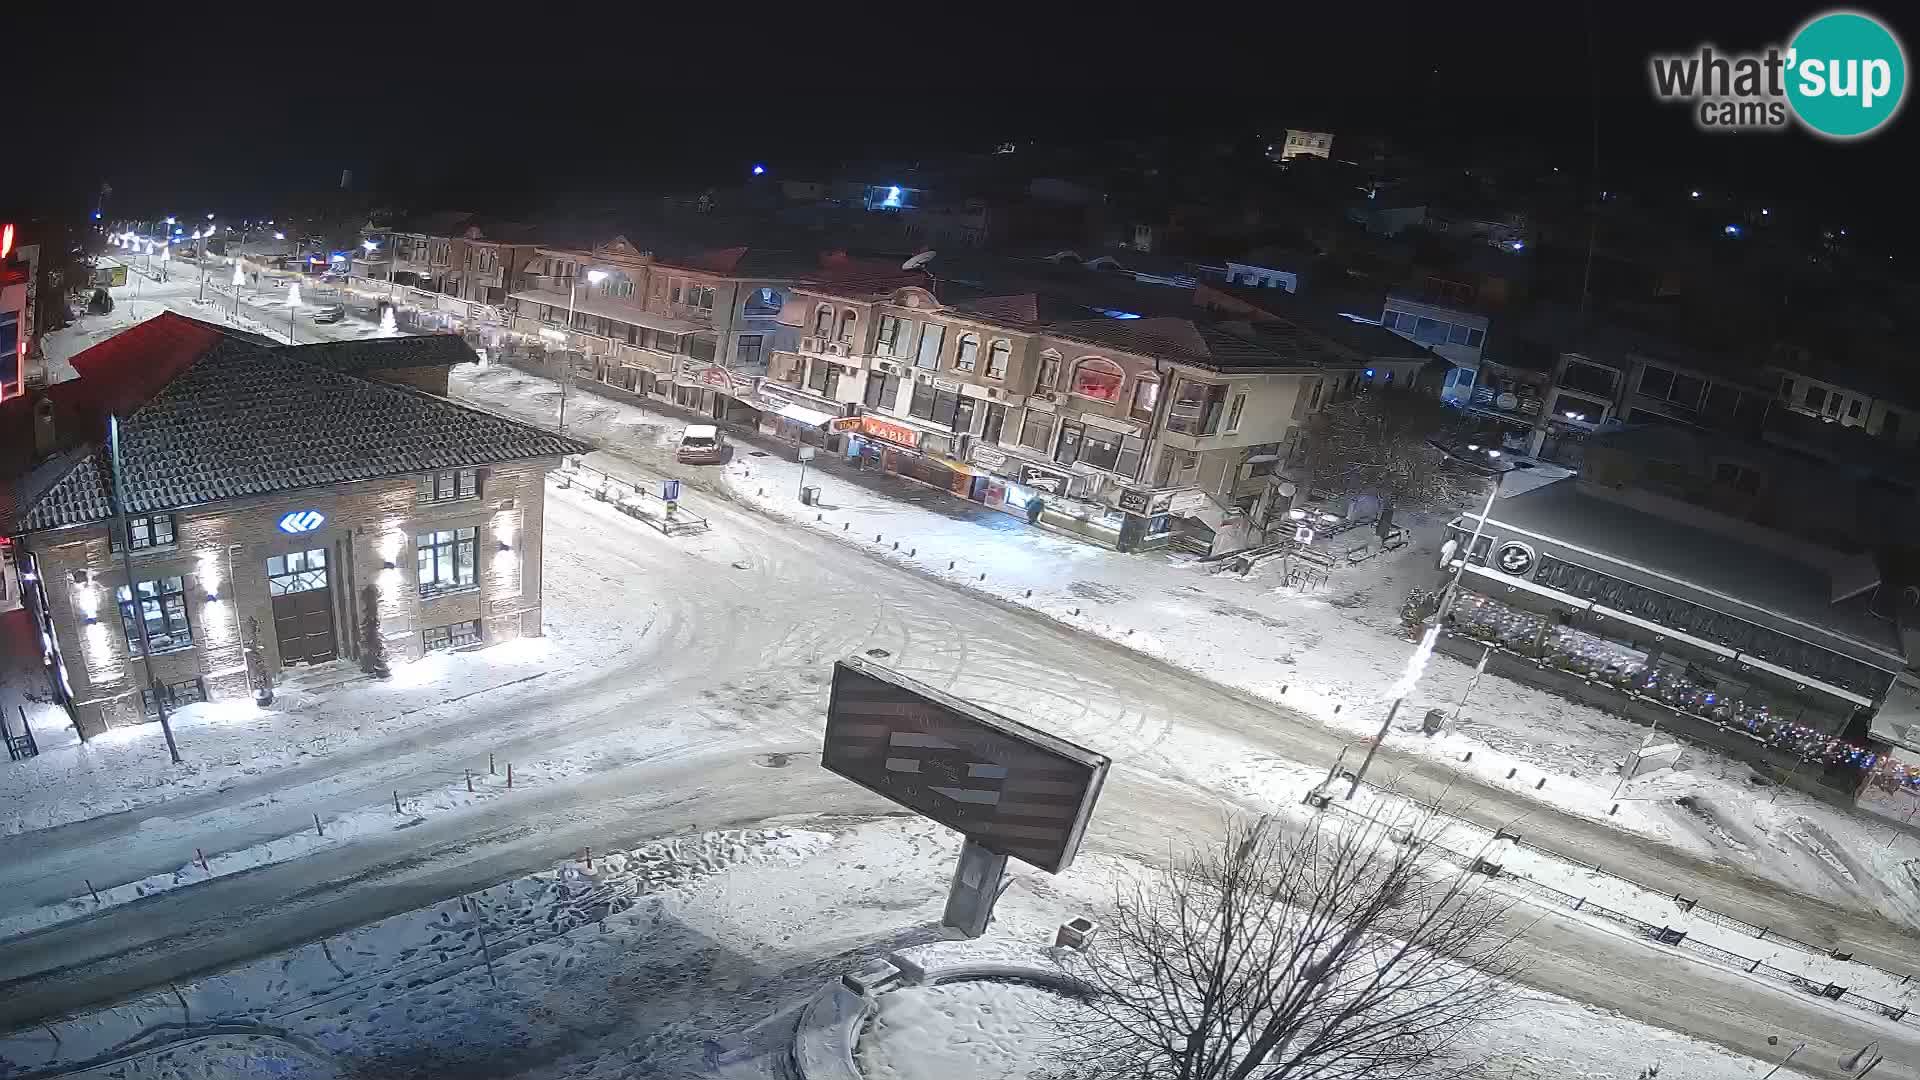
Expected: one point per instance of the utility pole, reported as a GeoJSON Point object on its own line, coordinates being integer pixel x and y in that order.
{"type": "Point", "coordinates": [133, 587]}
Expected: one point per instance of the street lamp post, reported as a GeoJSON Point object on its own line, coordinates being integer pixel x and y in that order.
{"type": "Point", "coordinates": [594, 277]}
{"type": "Point", "coordinates": [1447, 596]}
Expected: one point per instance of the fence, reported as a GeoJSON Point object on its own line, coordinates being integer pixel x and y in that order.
{"type": "Point", "coordinates": [631, 499]}
{"type": "Point", "coordinates": [1663, 935]}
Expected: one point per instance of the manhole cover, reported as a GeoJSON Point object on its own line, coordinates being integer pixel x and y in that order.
{"type": "Point", "coordinates": [773, 761]}
{"type": "Point", "coordinates": [878, 653]}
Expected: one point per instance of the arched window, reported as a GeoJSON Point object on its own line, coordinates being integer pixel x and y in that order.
{"type": "Point", "coordinates": [1146, 394]}
{"type": "Point", "coordinates": [1048, 375]}
{"type": "Point", "coordinates": [846, 325]}
{"type": "Point", "coordinates": [1098, 379]}
{"type": "Point", "coordinates": [822, 321]}
{"type": "Point", "coordinates": [763, 301]}
{"type": "Point", "coordinates": [997, 356]}
{"type": "Point", "coordinates": [968, 352]}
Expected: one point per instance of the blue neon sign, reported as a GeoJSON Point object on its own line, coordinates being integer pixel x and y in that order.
{"type": "Point", "coordinates": [302, 521]}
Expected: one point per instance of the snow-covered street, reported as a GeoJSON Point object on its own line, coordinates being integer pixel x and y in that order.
{"type": "Point", "coordinates": [680, 688]}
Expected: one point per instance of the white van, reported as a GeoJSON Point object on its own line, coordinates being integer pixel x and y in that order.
{"type": "Point", "coordinates": [701, 444]}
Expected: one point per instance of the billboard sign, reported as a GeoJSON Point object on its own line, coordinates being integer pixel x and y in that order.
{"type": "Point", "coordinates": [1010, 788]}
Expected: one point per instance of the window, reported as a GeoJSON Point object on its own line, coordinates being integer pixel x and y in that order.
{"type": "Point", "coordinates": [1233, 414]}
{"type": "Point", "coordinates": [1196, 407]}
{"type": "Point", "coordinates": [761, 302]}
{"type": "Point", "coordinates": [659, 286]}
{"type": "Point", "coordinates": [824, 378]}
{"type": "Point", "coordinates": [1474, 338]}
{"type": "Point", "coordinates": [702, 348]}
{"type": "Point", "coordinates": [1429, 331]}
{"type": "Point", "coordinates": [447, 485]}
{"type": "Point", "coordinates": [1098, 379]}
{"type": "Point", "coordinates": [996, 421]}
{"type": "Point", "coordinates": [700, 296]}
{"type": "Point", "coordinates": [939, 406]}
{"type": "Point", "coordinates": [822, 321]}
{"type": "Point", "coordinates": [1786, 389]}
{"type": "Point", "coordinates": [1037, 432]}
{"type": "Point", "coordinates": [931, 339]}
{"type": "Point", "coordinates": [452, 636]}
{"type": "Point", "coordinates": [747, 352]}
{"type": "Point", "coordinates": [1146, 394]}
{"type": "Point", "coordinates": [163, 610]}
{"type": "Point", "coordinates": [445, 559]}
{"type": "Point", "coordinates": [883, 391]}
{"type": "Point", "coordinates": [676, 290]}
{"type": "Point", "coordinates": [1738, 477]}
{"type": "Point", "coordinates": [1071, 434]}
{"type": "Point", "coordinates": [298, 572]}
{"type": "Point", "coordinates": [1816, 397]}
{"type": "Point", "coordinates": [967, 352]}
{"type": "Point", "coordinates": [997, 356]}
{"type": "Point", "coordinates": [1318, 386]}
{"type": "Point", "coordinates": [1889, 425]}
{"type": "Point", "coordinates": [1853, 413]}
{"type": "Point", "coordinates": [886, 340]}
{"type": "Point", "coordinates": [1049, 374]}
{"type": "Point", "coordinates": [1588, 378]}
{"type": "Point", "coordinates": [846, 325]}
{"type": "Point", "coordinates": [176, 695]}
{"type": "Point", "coordinates": [153, 531]}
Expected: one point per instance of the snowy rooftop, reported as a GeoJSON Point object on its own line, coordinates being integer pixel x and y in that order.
{"type": "Point", "coordinates": [1773, 588]}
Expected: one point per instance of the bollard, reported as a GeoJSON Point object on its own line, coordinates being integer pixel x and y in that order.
{"type": "Point", "coordinates": [469, 773]}
{"type": "Point", "coordinates": [202, 856]}
{"type": "Point", "coordinates": [1337, 708]}
{"type": "Point", "coordinates": [763, 491]}
{"type": "Point", "coordinates": [911, 552]}
{"type": "Point", "coordinates": [1541, 784]}
{"type": "Point", "coordinates": [1029, 593]}
{"type": "Point", "coordinates": [819, 517]}
{"type": "Point", "coordinates": [1468, 757]}
{"type": "Point", "coordinates": [844, 525]}
{"type": "Point", "coordinates": [490, 771]}
{"type": "Point", "coordinates": [983, 577]}
{"type": "Point", "coordinates": [1076, 611]}
{"type": "Point", "coordinates": [316, 826]}
{"type": "Point", "coordinates": [509, 776]}
{"type": "Point", "coordinates": [949, 564]}
{"type": "Point", "coordinates": [90, 888]}
{"type": "Point", "coordinates": [589, 855]}
{"type": "Point", "coordinates": [896, 545]}
{"type": "Point", "coordinates": [396, 802]}
{"type": "Point", "coordinates": [1129, 631]}
{"type": "Point", "coordinates": [876, 538]}
{"type": "Point", "coordinates": [1511, 771]}
{"type": "Point", "coordinates": [1615, 810]}
{"type": "Point", "coordinates": [1283, 687]}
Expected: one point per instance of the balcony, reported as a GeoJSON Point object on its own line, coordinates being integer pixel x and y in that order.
{"type": "Point", "coordinates": [820, 346]}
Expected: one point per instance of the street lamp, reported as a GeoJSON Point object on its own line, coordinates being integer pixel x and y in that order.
{"type": "Point", "coordinates": [594, 277]}
{"type": "Point", "coordinates": [1418, 661]}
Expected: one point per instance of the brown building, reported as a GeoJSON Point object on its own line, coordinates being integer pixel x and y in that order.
{"type": "Point", "coordinates": [284, 496]}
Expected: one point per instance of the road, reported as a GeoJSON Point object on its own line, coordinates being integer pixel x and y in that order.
{"type": "Point", "coordinates": [263, 305]}
{"type": "Point", "coordinates": [732, 663]}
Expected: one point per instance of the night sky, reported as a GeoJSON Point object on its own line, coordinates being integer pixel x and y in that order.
{"type": "Point", "coordinates": [465, 118]}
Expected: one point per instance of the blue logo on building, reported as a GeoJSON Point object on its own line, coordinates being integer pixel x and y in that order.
{"type": "Point", "coordinates": [302, 521]}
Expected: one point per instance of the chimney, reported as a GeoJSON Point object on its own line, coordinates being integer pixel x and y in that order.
{"type": "Point", "coordinates": [43, 433]}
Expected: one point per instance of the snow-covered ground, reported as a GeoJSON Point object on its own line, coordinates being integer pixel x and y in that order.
{"type": "Point", "coordinates": [1332, 653]}
{"type": "Point", "coordinates": [664, 960]}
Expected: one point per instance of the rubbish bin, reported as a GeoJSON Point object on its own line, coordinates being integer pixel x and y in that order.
{"type": "Point", "coordinates": [810, 495]}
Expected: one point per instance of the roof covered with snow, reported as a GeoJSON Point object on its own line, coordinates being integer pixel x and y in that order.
{"type": "Point", "coordinates": [222, 418]}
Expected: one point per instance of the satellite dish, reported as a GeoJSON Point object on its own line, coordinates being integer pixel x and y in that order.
{"type": "Point", "coordinates": [919, 260]}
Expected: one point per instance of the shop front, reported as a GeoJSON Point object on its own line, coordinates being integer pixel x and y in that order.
{"type": "Point", "coordinates": [797, 417]}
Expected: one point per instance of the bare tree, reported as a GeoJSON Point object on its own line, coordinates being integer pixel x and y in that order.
{"type": "Point", "coordinates": [1350, 950]}
{"type": "Point", "coordinates": [1377, 443]}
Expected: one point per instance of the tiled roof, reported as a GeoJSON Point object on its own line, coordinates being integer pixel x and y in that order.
{"type": "Point", "coordinates": [426, 350]}
{"type": "Point", "coordinates": [1209, 345]}
{"type": "Point", "coordinates": [241, 421]}
{"type": "Point", "coordinates": [1019, 308]}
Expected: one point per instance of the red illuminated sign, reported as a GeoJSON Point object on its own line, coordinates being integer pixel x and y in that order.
{"type": "Point", "coordinates": [6, 240]}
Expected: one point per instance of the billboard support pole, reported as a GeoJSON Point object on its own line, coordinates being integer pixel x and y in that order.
{"type": "Point", "coordinates": [976, 885]}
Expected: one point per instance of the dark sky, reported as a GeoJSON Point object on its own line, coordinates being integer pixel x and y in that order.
{"type": "Point", "coordinates": [588, 100]}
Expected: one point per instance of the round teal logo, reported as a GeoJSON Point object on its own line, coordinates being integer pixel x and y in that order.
{"type": "Point", "coordinates": [1847, 74]}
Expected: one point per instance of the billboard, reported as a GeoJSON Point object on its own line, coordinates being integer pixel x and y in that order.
{"type": "Point", "coordinates": [1012, 789]}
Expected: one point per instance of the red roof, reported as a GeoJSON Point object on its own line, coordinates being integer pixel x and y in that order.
{"type": "Point", "coordinates": [129, 367]}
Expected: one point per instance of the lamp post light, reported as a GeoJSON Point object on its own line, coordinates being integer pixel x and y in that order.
{"type": "Point", "coordinates": [1417, 663]}
{"type": "Point", "coordinates": [594, 277]}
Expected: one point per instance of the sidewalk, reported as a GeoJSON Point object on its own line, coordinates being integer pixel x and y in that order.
{"type": "Point", "coordinates": [1330, 654]}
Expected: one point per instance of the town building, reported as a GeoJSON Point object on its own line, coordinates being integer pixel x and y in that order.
{"type": "Point", "coordinates": [1303, 143]}
{"type": "Point", "coordinates": [208, 509]}
{"type": "Point", "coordinates": [1725, 631]}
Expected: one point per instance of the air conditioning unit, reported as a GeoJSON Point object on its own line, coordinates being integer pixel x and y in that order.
{"type": "Point", "coordinates": [808, 344]}
{"type": "Point", "coordinates": [1057, 397]}
{"type": "Point", "coordinates": [836, 348]}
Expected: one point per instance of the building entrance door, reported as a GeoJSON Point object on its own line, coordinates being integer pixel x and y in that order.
{"type": "Point", "coordinates": [302, 607]}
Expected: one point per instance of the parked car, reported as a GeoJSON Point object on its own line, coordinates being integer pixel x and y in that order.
{"type": "Point", "coordinates": [330, 313]}
{"type": "Point", "coordinates": [701, 444]}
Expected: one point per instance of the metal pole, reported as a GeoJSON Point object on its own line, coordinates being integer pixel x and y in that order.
{"type": "Point", "coordinates": [566, 359]}
{"type": "Point", "coordinates": [803, 479]}
{"type": "Point", "coordinates": [1433, 632]}
{"type": "Point", "coordinates": [133, 588]}
{"type": "Point", "coordinates": [1796, 1049]}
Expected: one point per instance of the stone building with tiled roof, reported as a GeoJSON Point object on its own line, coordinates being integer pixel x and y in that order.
{"type": "Point", "coordinates": [285, 496]}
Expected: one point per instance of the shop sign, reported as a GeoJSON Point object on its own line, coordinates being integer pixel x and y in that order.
{"type": "Point", "coordinates": [1045, 480]}
{"type": "Point", "coordinates": [889, 431]}
{"type": "Point", "coordinates": [718, 377]}
{"type": "Point", "coordinates": [842, 425]}
{"type": "Point", "coordinates": [946, 384]}
{"type": "Point", "coordinates": [301, 521]}
{"type": "Point", "coordinates": [988, 456]}
{"type": "Point", "coordinates": [1162, 502]}
{"type": "Point", "coordinates": [1136, 500]}
{"type": "Point", "coordinates": [1514, 557]}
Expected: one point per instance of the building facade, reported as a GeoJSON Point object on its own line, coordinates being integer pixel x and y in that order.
{"type": "Point", "coordinates": [365, 511]}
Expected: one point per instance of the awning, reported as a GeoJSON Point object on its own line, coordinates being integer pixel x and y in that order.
{"type": "Point", "coordinates": [1810, 683]}
{"type": "Point", "coordinates": [1702, 644]}
{"type": "Point", "coordinates": [804, 415]}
